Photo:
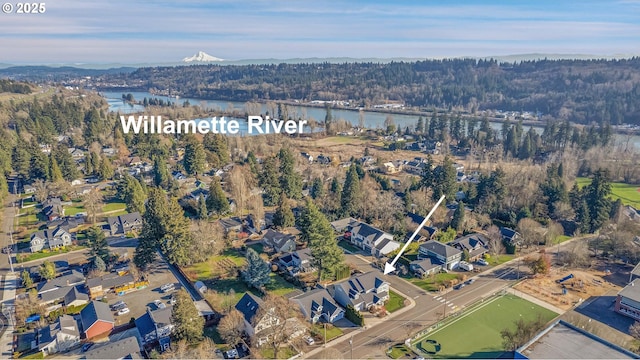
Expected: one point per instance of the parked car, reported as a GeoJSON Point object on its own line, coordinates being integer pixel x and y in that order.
{"type": "Point", "coordinates": [87, 346]}
{"type": "Point", "coordinates": [309, 340]}
{"type": "Point", "coordinates": [167, 287]}
{"type": "Point", "coordinates": [470, 281]}
{"type": "Point", "coordinates": [123, 311]}
{"type": "Point", "coordinates": [118, 306]}
{"type": "Point", "coordinates": [6, 249]}
{"type": "Point", "coordinates": [172, 301]}
{"type": "Point", "coordinates": [231, 354]}
{"type": "Point", "coordinates": [482, 262]}
{"type": "Point", "coordinates": [459, 286]}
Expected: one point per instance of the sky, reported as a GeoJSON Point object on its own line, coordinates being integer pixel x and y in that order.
{"type": "Point", "coordinates": [130, 31]}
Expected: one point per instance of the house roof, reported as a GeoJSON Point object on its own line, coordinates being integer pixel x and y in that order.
{"type": "Point", "coordinates": [439, 248]}
{"type": "Point", "coordinates": [340, 225]}
{"type": "Point", "coordinates": [230, 223]}
{"type": "Point", "coordinates": [66, 223]}
{"type": "Point", "coordinates": [311, 301]}
{"type": "Point", "coordinates": [145, 324]}
{"type": "Point", "coordinates": [368, 232]}
{"type": "Point", "coordinates": [631, 291]}
{"type": "Point", "coordinates": [361, 284]}
{"type": "Point", "coordinates": [52, 236]}
{"type": "Point", "coordinates": [127, 348]}
{"type": "Point", "coordinates": [562, 340]}
{"type": "Point", "coordinates": [110, 280]}
{"type": "Point", "coordinates": [73, 295]}
{"type": "Point", "coordinates": [70, 279]}
{"type": "Point", "coordinates": [248, 305]}
{"type": "Point", "coordinates": [474, 243]}
{"type": "Point", "coordinates": [382, 244]}
{"type": "Point", "coordinates": [508, 233]}
{"type": "Point", "coordinates": [65, 324]}
{"type": "Point", "coordinates": [277, 239]}
{"type": "Point", "coordinates": [161, 317]}
{"type": "Point", "coordinates": [424, 264]}
{"type": "Point", "coordinates": [93, 312]}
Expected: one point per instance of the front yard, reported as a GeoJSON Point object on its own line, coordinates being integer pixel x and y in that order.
{"type": "Point", "coordinates": [318, 330]}
{"type": "Point", "coordinates": [395, 302]}
{"type": "Point", "coordinates": [434, 282]}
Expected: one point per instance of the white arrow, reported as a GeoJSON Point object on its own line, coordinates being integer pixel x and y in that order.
{"type": "Point", "coordinates": [389, 267]}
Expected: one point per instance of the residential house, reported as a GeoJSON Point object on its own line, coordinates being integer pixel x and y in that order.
{"type": "Point", "coordinates": [390, 168]}
{"type": "Point", "coordinates": [50, 239]}
{"type": "Point", "coordinates": [155, 325]}
{"type": "Point", "coordinates": [440, 253]}
{"type": "Point", "coordinates": [52, 208]}
{"type": "Point", "coordinates": [510, 236]}
{"type": "Point", "coordinates": [109, 151]}
{"type": "Point", "coordinates": [324, 160]}
{"type": "Point", "coordinates": [362, 291]}
{"type": "Point", "coordinates": [76, 154]}
{"type": "Point", "coordinates": [96, 320]}
{"type": "Point", "coordinates": [231, 224]}
{"type": "Point", "coordinates": [372, 240]}
{"type": "Point", "coordinates": [475, 244]}
{"type": "Point", "coordinates": [71, 224]}
{"type": "Point", "coordinates": [178, 176]}
{"type": "Point", "coordinates": [249, 305]}
{"type": "Point", "coordinates": [307, 156]}
{"type": "Point", "coordinates": [631, 213]}
{"type": "Point", "coordinates": [415, 166]}
{"type": "Point", "coordinates": [342, 225]}
{"type": "Point", "coordinates": [425, 234]}
{"type": "Point", "coordinates": [318, 305]}
{"type": "Point", "coordinates": [297, 262]}
{"type": "Point", "coordinates": [134, 161]}
{"type": "Point", "coordinates": [124, 224]}
{"type": "Point", "coordinates": [60, 336]}
{"type": "Point", "coordinates": [127, 348]}
{"type": "Point", "coordinates": [50, 291]}
{"type": "Point", "coordinates": [424, 267]}
{"type": "Point", "coordinates": [278, 241]}
{"type": "Point", "coordinates": [100, 286]}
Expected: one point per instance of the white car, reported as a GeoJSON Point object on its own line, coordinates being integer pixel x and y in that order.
{"type": "Point", "coordinates": [482, 262]}
{"type": "Point", "coordinates": [168, 287]}
{"type": "Point", "coordinates": [123, 311]}
{"type": "Point", "coordinates": [309, 340]}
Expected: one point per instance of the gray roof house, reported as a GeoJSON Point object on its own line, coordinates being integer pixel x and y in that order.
{"type": "Point", "coordinates": [475, 244]}
{"type": "Point", "coordinates": [424, 267]}
{"type": "Point", "coordinates": [155, 324]}
{"type": "Point", "coordinates": [440, 253]}
{"type": "Point", "coordinates": [50, 239]}
{"type": "Point", "coordinates": [96, 319]}
{"type": "Point", "coordinates": [279, 242]}
{"type": "Point", "coordinates": [53, 290]}
{"type": "Point", "coordinates": [60, 336]}
{"type": "Point", "coordinates": [342, 225]}
{"type": "Point", "coordinates": [318, 305]}
{"type": "Point", "coordinates": [127, 348]}
{"type": "Point", "coordinates": [249, 305]}
{"type": "Point", "coordinates": [231, 224]}
{"type": "Point", "coordinates": [372, 240]}
{"type": "Point", "coordinates": [124, 224]}
{"type": "Point", "coordinates": [362, 292]}
{"type": "Point", "coordinates": [297, 262]}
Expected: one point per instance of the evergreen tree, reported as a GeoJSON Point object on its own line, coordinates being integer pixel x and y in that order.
{"type": "Point", "coordinates": [217, 201]}
{"type": "Point", "coordinates": [21, 158]}
{"type": "Point", "coordinates": [317, 188]}
{"type": "Point", "coordinates": [350, 193]}
{"type": "Point", "coordinates": [160, 172]}
{"type": "Point", "coordinates": [105, 170]}
{"type": "Point", "coordinates": [188, 324]}
{"type": "Point", "coordinates": [290, 181]}
{"type": "Point", "coordinates": [328, 119]}
{"type": "Point", "coordinates": [257, 273]}
{"type": "Point", "coordinates": [269, 182]}
{"type": "Point", "coordinates": [283, 217]}
{"type": "Point", "coordinates": [420, 126]}
{"type": "Point", "coordinates": [4, 188]}
{"type": "Point", "coordinates": [98, 245]}
{"type": "Point", "coordinates": [253, 163]}
{"type": "Point", "coordinates": [177, 239]}
{"type": "Point", "coordinates": [152, 229]}
{"type": "Point", "coordinates": [335, 188]}
{"type": "Point", "coordinates": [39, 166]}
{"type": "Point", "coordinates": [217, 144]}
{"type": "Point", "coordinates": [194, 157]}
{"type": "Point", "coordinates": [27, 281]}
{"type": "Point", "coordinates": [597, 198]}
{"type": "Point", "coordinates": [55, 175]}
{"type": "Point", "coordinates": [444, 182]}
{"type": "Point", "coordinates": [457, 222]}
{"type": "Point", "coordinates": [94, 162]}
{"type": "Point", "coordinates": [202, 208]}
{"type": "Point", "coordinates": [317, 232]}
{"type": "Point", "coordinates": [583, 218]}
{"type": "Point", "coordinates": [98, 264]}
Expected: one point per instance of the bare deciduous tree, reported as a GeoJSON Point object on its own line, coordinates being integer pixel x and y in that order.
{"type": "Point", "coordinates": [279, 319]}
{"type": "Point", "coordinates": [93, 204]}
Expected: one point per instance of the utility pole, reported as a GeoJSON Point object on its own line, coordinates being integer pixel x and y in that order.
{"type": "Point", "coordinates": [325, 334]}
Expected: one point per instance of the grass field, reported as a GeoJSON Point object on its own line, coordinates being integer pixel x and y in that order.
{"type": "Point", "coordinates": [395, 302]}
{"type": "Point", "coordinates": [114, 206]}
{"type": "Point", "coordinates": [433, 283]}
{"type": "Point", "coordinates": [629, 194]}
{"type": "Point", "coordinates": [500, 259]}
{"type": "Point", "coordinates": [477, 334]}
{"type": "Point", "coordinates": [332, 331]}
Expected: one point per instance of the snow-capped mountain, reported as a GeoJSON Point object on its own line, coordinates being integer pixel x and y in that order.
{"type": "Point", "coordinates": [201, 56]}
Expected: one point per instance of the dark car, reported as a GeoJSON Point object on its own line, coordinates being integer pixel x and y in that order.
{"type": "Point", "coordinates": [6, 249]}
{"type": "Point", "coordinates": [459, 286]}
{"type": "Point", "coordinates": [86, 346]}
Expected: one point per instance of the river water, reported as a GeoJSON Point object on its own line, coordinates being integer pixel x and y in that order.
{"type": "Point", "coordinates": [372, 120]}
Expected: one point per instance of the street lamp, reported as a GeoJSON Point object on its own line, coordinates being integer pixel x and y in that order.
{"type": "Point", "coordinates": [351, 346]}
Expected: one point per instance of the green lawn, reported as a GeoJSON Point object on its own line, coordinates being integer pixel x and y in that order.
{"type": "Point", "coordinates": [41, 255]}
{"type": "Point", "coordinates": [283, 353]}
{"type": "Point", "coordinates": [400, 351]}
{"type": "Point", "coordinates": [395, 302]}
{"type": "Point", "coordinates": [215, 265]}
{"type": "Point", "coordinates": [562, 238]}
{"type": "Point", "coordinates": [432, 283]}
{"type": "Point", "coordinates": [477, 334]}
{"type": "Point", "coordinates": [345, 245]}
{"type": "Point", "coordinates": [114, 206]}
{"type": "Point", "coordinates": [72, 210]}
{"type": "Point", "coordinates": [628, 193]}
{"type": "Point", "coordinates": [499, 259]}
{"type": "Point", "coordinates": [332, 332]}
{"type": "Point", "coordinates": [28, 220]}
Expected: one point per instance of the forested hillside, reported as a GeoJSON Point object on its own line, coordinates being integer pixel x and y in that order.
{"type": "Point", "coordinates": [581, 91]}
